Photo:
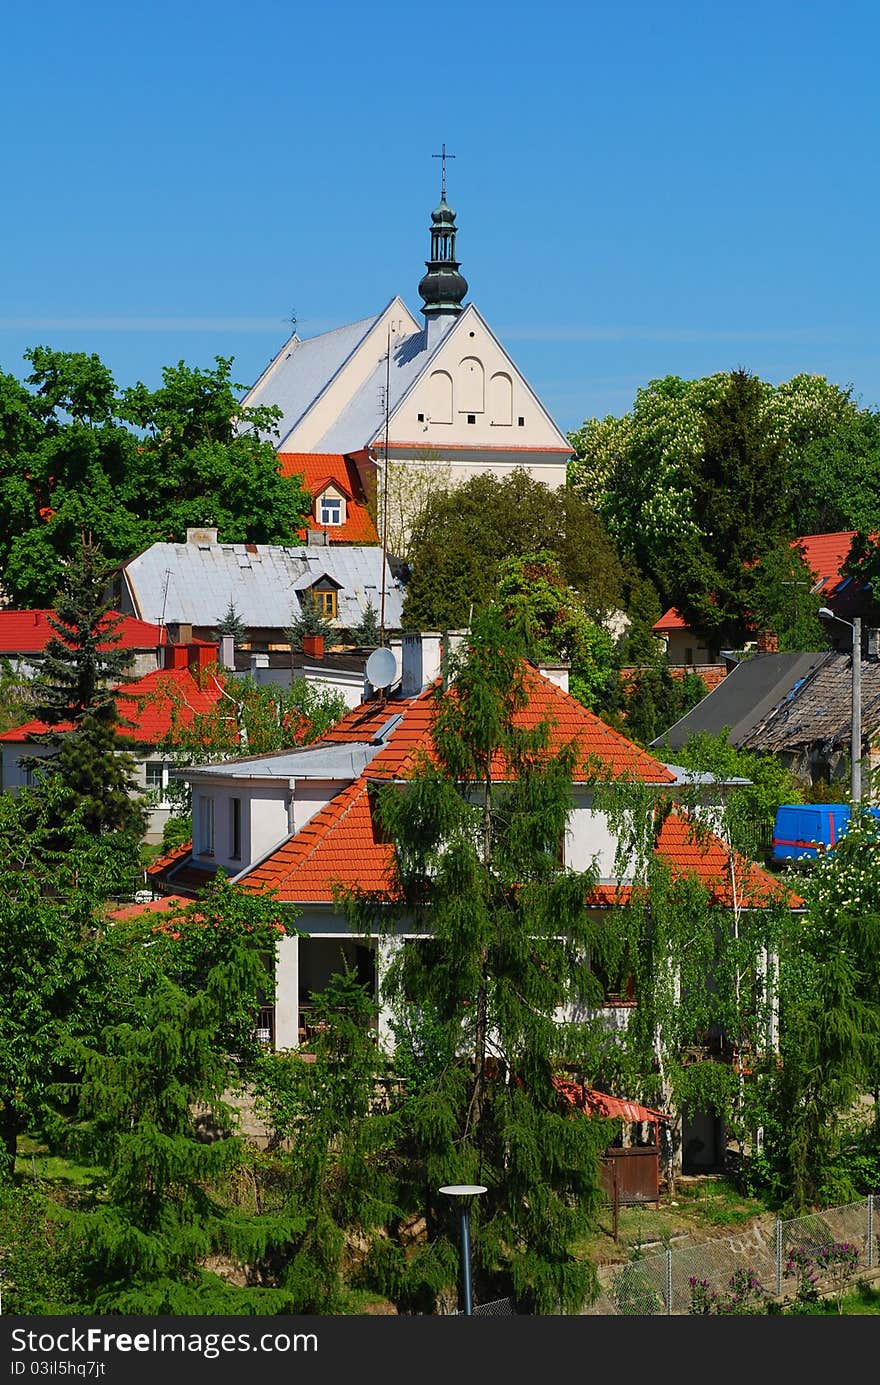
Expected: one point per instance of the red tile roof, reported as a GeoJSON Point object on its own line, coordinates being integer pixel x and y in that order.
{"type": "Point", "coordinates": [319, 469]}
{"type": "Point", "coordinates": [165, 905]}
{"type": "Point", "coordinates": [173, 857]}
{"type": "Point", "coordinates": [28, 632]}
{"type": "Point", "coordinates": [567, 720]}
{"type": "Point", "coordinates": [824, 555]}
{"type": "Point", "coordinates": [152, 705]}
{"type": "Point", "coordinates": [342, 845]}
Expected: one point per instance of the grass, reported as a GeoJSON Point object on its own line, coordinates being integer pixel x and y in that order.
{"type": "Point", "coordinates": [35, 1161]}
{"type": "Point", "coordinates": [701, 1208]}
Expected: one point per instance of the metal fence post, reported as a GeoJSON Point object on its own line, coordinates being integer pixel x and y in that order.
{"type": "Point", "coordinates": [870, 1231]}
{"type": "Point", "coordinates": [778, 1257]}
{"type": "Point", "coordinates": [668, 1280]}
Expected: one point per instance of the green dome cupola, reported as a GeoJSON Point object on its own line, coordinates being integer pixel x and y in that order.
{"type": "Point", "coordinates": [442, 288]}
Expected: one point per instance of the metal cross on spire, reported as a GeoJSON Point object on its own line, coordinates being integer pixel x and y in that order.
{"type": "Point", "coordinates": [444, 156]}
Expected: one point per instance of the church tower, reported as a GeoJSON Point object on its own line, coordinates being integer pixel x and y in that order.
{"type": "Point", "coordinates": [443, 287]}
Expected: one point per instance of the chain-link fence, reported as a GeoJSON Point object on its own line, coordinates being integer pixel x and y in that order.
{"type": "Point", "coordinates": [668, 1281]}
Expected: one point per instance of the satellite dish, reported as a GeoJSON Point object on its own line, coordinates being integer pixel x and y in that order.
{"type": "Point", "coordinates": [381, 668]}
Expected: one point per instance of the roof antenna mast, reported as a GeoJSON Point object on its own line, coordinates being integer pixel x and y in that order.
{"type": "Point", "coordinates": [385, 493]}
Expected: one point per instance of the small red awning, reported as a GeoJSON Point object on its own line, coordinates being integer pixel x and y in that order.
{"type": "Point", "coordinates": [594, 1103]}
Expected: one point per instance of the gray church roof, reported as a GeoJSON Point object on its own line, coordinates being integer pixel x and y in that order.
{"type": "Point", "coordinates": [265, 581]}
{"type": "Point", "coordinates": [752, 689]}
{"type": "Point", "coordinates": [364, 415]}
{"type": "Point", "coordinates": [317, 360]}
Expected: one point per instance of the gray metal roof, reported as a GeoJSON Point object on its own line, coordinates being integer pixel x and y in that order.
{"type": "Point", "coordinates": [820, 710]}
{"type": "Point", "coordinates": [747, 695]}
{"type": "Point", "coordinates": [266, 582]}
{"type": "Point", "coordinates": [328, 760]}
{"type": "Point", "coordinates": [364, 415]}
{"type": "Point", "coordinates": [302, 369]}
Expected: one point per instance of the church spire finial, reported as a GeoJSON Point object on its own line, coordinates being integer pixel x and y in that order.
{"type": "Point", "coordinates": [444, 156]}
{"type": "Point", "coordinates": [442, 288]}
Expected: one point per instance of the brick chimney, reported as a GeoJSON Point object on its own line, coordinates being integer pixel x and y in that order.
{"type": "Point", "coordinates": [313, 646]}
{"type": "Point", "coordinates": [767, 642]}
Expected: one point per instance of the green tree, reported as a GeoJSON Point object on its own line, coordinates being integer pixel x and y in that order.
{"type": "Point", "coordinates": [50, 965]}
{"type": "Point", "coordinates": [738, 488]}
{"type": "Point", "coordinates": [74, 695]}
{"type": "Point", "coordinates": [333, 1143]}
{"type": "Point", "coordinates": [130, 467]}
{"type": "Point", "coordinates": [309, 619]}
{"type": "Point", "coordinates": [155, 1110]}
{"type": "Point", "coordinates": [829, 1025]}
{"type": "Point", "coordinates": [478, 872]}
{"type": "Point", "coordinates": [782, 599]}
{"type": "Point", "coordinates": [651, 699]}
{"type": "Point", "coordinates": [465, 531]}
{"type": "Point", "coordinates": [232, 624]}
{"type": "Point", "coordinates": [835, 478]}
{"type": "Point", "coordinates": [207, 460]}
{"type": "Point", "coordinates": [367, 633]}
{"type": "Point", "coordinates": [536, 599]}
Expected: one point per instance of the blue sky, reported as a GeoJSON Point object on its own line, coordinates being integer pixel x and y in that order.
{"type": "Point", "coordinates": [641, 189]}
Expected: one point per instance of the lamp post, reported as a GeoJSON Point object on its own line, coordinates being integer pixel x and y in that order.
{"type": "Point", "coordinates": [463, 1194]}
{"type": "Point", "coordinates": [855, 753]}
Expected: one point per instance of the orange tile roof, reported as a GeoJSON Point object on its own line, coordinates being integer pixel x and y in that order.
{"type": "Point", "coordinates": [28, 632]}
{"type": "Point", "coordinates": [824, 555]}
{"type": "Point", "coordinates": [165, 905]}
{"type": "Point", "coordinates": [705, 856]}
{"type": "Point", "coordinates": [151, 704]}
{"type": "Point", "coordinates": [566, 718]}
{"type": "Point", "coordinates": [170, 858]}
{"type": "Point", "coordinates": [670, 620]}
{"type": "Point", "coordinates": [341, 845]}
{"type": "Point", "coordinates": [319, 469]}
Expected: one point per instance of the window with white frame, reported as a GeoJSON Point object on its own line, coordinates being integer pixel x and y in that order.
{"type": "Point", "coordinates": [156, 775]}
{"type": "Point", "coordinates": [329, 510]}
{"type": "Point", "coordinates": [205, 807]}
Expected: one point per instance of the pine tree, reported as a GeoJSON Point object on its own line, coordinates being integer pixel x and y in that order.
{"type": "Point", "coordinates": [367, 634]}
{"type": "Point", "coordinates": [232, 624]}
{"type": "Point", "coordinates": [74, 694]}
{"type": "Point", "coordinates": [310, 620]}
{"type": "Point", "coordinates": [155, 1111]}
{"type": "Point", "coordinates": [478, 870]}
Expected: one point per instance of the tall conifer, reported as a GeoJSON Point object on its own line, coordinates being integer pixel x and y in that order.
{"type": "Point", "coordinates": [477, 833]}
{"type": "Point", "coordinates": [74, 694]}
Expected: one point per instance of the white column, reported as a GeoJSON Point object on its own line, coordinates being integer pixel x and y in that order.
{"type": "Point", "coordinates": [386, 948]}
{"type": "Point", "coordinates": [287, 994]}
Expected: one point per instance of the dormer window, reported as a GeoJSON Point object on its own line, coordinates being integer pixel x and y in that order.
{"type": "Point", "coordinates": [325, 602]}
{"type": "Point", "coordinates": [329, 510]}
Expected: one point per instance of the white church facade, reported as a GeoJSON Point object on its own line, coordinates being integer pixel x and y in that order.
{"type": "Point", "coordinates": [441, 396]}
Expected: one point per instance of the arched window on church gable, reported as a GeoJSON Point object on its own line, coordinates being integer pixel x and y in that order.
{"type": "Point", "coordinates": [501, 399]}
{"type": "Point", "coordinates": [440, 397]}
{"type": "Point", "coordinates": [471, 386]}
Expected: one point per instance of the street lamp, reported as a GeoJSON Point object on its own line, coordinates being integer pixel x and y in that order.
{"type": "Point", "coordinates": [464, 1193]}
{"type": "Point", "coordinates": [855, 753]}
